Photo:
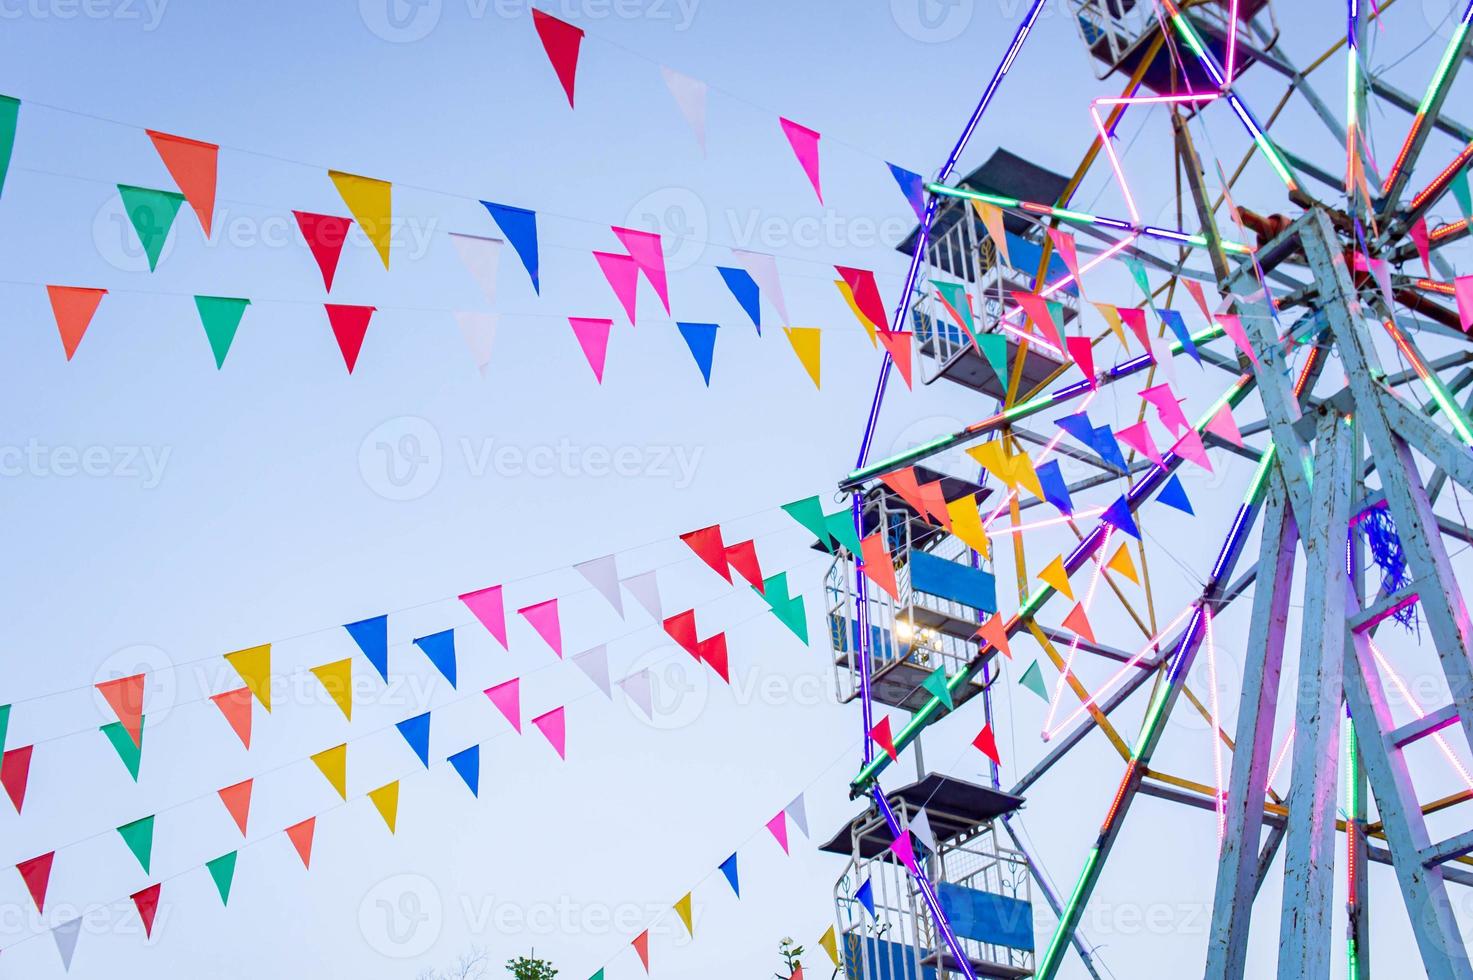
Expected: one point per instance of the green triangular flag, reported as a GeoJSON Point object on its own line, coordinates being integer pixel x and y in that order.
{"type": "Point", "coordinates": [841, 529]}
{"type": "Point", "coordinates": [152, 214]}
{"type": "Point", "coordinates": [1462, 192]}
{"type": "Point", "coordinates": [222, 869]}
{"type": "Point", "coordinates": [1033, 680]}
{"type": "Point", "coordinates": [935, 682]}
{"type": "Point", "coordinates": [597, 976]}
{"type": "Point", "coordinates": [221, 317]}
{"type": "Point", "coordinates": [809, 513]}
{"type": "Point", "coordinates": [788, 609]}
{"type": "Point", "coordinates": [4, 724]}
{"type": "Point", "coordinates": [138, 835]}
{"type": "Point", "coordinates": [1138, 272]}
{"type": "Point", "coordinates": [131, 754]}
{"type": "Point", "coordinates": [9, 110]}
{"type": "Point", "coordinates": [955, 295]}
{"type": "Point", "coordinates": [995, 348]}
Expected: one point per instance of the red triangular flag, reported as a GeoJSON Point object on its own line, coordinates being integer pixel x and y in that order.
{"type": "Point", "coordinates": [866, 293]}
{"type": "Point", "coordinates": [682, 629]}
{"type": "Point", "coordinates": [935, 501]}
{"type": "Point", "coordinates": [73, 307]}
{"type": "Point", "coordinates": [1083, 354]}
{"type": "Point", "coordinates": [995, 634]}
{"type": "Point", "coordinates": [881, 734]}
{"type": "Point", "coordinates": [325, 234]}
{"type": "Point", "coordinates": [349, 324]}
{"type": "Point", "coordinates": [301, 838]}
{"type": "Point", "coordinates": [15, 772]}
{"type": "Point", "coordinates": [1078, 623]}
{"type": "Point", "coordinates": [986, 743]}
{"type": "Point", "coordinates": [743, 557]}
{"type": "Point", "coordinates": [560, 40]}
{"type": "Point", "coordinates": [713, 651]}
{"type": "Point", "coordinates": [192, 164]}
{"type": "Point", "coordinates": [36, 873]}
{"type": "Point", "coordinates": [878, 565]}
{"type": "Point", "coordinates": [778, 827]}
{"type": "Point", "coordinates": [147, 902]}
{"type": "Point", "coordinates": [706, 543]}
{"type": "Point", "coordinates": [236, 707]}
{"type": "Point", "coordinates": [641, 946]}
{"type": "Point", "coordinates": [897, 342]}
{"type": "Point", "coordinates": [125, 696]}
{"type": "Point", "coordinates": [237, 800]}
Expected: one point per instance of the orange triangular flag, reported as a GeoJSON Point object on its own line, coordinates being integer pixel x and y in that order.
{"type": "Point", "coordinates": [905, 484]}
{"type": "Point", "coordinates": [73, 307]}
{"type": "Point", "coordinates": [1121, 562]}
{"type": "Point", "coordinates": [1054, 574]}
{"type": "Point", "coordinates": [192, 164]}
{"type": "Point", "coordinates": [935, 503]}
{"type": "Point", "coordinates": [996, 635]}
{"type": "Point", "coordinates": [125, 696]}
{"type": "Point", "coordinates": [641, 946]}
{"type": "Point", "coordinates": [301, 838]}
{"type": "Point", "coordinates": [236, 707]}
{"type": "Point", "coordinates": [1078, 623]}
{"type": "Point", "coordinates": [237, 800]}
{"type": "Point", "coordinates": [878, 566]}
{"type": "Point", "coordinates": [897, 342]}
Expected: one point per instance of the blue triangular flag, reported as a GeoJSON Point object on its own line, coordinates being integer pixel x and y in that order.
{"type": "Point", "coordinates": [866, 896]}
{"type": "Point", "coordinates": [416, 732]}
{"type": "Point", "coordinates": [372, 637]}
{"type": "Point", "coordinates": [1179, 327]}
{"type": "Point", "coordinates": [1173, 495]}
{"type": "Point", "coordinates": [913, 186]}
{"type": "Point", "coordinates": [701, 339]}
{"type": "Point", "coordinates": [467, 762]}
{"type": "Point", "coordinates": [440, 648]}
{"type": "Point", "coordinates": [1109, 448]}
{"type": "Point", "coordinates": [1055, 491]}
{"type": "Point", "coordinates": [744, 288]}
{"type": "Point", "coordinates": [520, 228]}
{"type": "Point", "coordinates": [1079, 426]}
{"type": "Point", "coordinates": [729, 868]}
{"type": "Point", "coordinates": [1118, 515]}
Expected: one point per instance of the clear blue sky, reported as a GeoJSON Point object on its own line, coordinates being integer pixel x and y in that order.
{"type": "Point", "coordinates": [277, 499]}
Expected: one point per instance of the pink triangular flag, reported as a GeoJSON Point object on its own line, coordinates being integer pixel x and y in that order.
{"type": "Point", "coordinates": [1078, 623]}
{"type": "Point", "coordinates": [1232, 325]}
{"type": "Point", "coordinates": [1190, 447]}
{"type": "Point", "coordinates": [905, 850]}
{"type": "Point", "coordinates": [1418, 231]}
{"type": "Point", "coordinates": [1224, 426]}
{"type": "Point", "coordinates": [544, 619]}
{"type": "Point", "coordinates": [622, 272]}
{"type": "Point", "coordinates": [1135, 319]}
{"type": "Point", "coordinates": [804, 142]}
{"type": "Point", "coordinates": [1082, 352]}
{"type": "Point", "coordinates": [1064, 245]}
{"type": "Point", "coordinates": [1138, 437]}
{"type": "Point", "coordinates": [1381, 272]}
{"type": "Point", "coordinates": [649, 254]}
{"type": "Point", "coordinates": [1195, 288]}
{"type": "Point", "coordinates": [554, 726]}
{"type": "Point", "coordinates": [1043, 318]}
{"type": "Point", "coordinates": [593, 337]}
{"type": "Point", "coordinates": [507, 696]}
{"type": "Point", "coordinates": [1168, 409]}
{"type": "Point", "coordinates": [778, 826]}
{"type": "Point", "coordinates": [1463, 287]}
{"type": "Point", "coordinates": [487, 606]}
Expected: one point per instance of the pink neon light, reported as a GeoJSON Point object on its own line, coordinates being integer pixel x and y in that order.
{"type": "Point", "coordinates": [1232, 47]}
{"type": "Point", "coordinates": [1417, 709]}
{"type": "Point", "coordinates": [1283, 754]}
{"type": "Point", "coordinates": [1089, 598]}
{"type": "Point", "coordinates": [1126, 668]}
{"type": "Point", "coordinates": [1057, 285]}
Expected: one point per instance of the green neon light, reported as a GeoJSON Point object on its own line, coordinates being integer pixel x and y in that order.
{"type": "Point", "coordinates": [1274, 160]}
{"type": "Point", "coordinates": [1255, 488]}
{"type": "Point", "coordinates": [1451, 408]}
{"type": "Point", "coordinates": [1049, 963]}
{"type": "Point", "coordinates": [1440, 78]}
{"type": "Point", "coordinates": [998, 199]}
{"type": "Point", "coordinates": [898, 458]}
{"type": "Point", "coordinates": [1189, 33]}
{"type": "Point", "coordinates": [1068, 215]}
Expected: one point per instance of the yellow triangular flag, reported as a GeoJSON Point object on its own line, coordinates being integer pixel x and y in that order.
{"type": "Point", "coordinates": [1055, 575]}
{"type": "Point", "coordinates": [990, 457]}
{"type": "Point", "coordinates": [991, 216]}
{"type": "Point", "coordinates": [1112, 317]}
{"type": "Point", "coordinates": [371, 202]}
{"type": "Point", "coordinates": [848, 295]}
{"type": "Point", "coordinates": [337, 680]}
{"type": "Point", "coordinates": [831, 946]}
{"type": "Point", "coordinates": [1025, 475]}
{"type": "Point", "coordinates": [333, 764]}
{"type": "Point", "coordinates": [386, 800]}
{"type": "Point", "coordinates": [966, 523]}
{"type": "Point", "coordinates": [1121, 562]}
{"type": "Point", "coordinates": [253, 664]}
{"type": "Point", "coordinates": [682, 909]}
{"type": "Point", "coordinates": [805, 341]}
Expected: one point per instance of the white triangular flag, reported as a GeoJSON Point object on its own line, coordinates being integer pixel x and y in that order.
{"type": "Point", "coordinates": [481, 256]}
{"type": "Point", "coordinates": [595, 663]}
{"type": "Point", "coordinates": [798, 812]}
{"type": "Point", "coordinates": [639, 688]}
{"type": "Point", "coordinates": [603, 574]}
{"type": "Point", "coordinates": [65, 935]}
{"type": "Point", "coordinates": [479, 331]}
{"type": "Point", "coordinates": [763, 269]}
{"type": "Point", "coordinates": [646, 591]}
{"type": "Point", "coordinates": [921, 827]}
{"type": "Point", "coordinates": [690, 95]}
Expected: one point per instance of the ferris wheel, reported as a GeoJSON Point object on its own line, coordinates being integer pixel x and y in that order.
{"type": "Point", "coordinates": [1296, 590]}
